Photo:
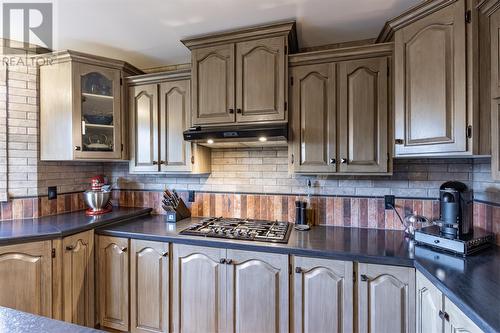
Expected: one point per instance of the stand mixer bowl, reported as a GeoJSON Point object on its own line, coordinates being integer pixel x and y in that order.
{"type": "Point", "coordinates": [96, 200]}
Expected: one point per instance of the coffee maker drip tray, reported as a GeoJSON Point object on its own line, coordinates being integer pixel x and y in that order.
{"type": "Point", "coordinates": [458, 244]}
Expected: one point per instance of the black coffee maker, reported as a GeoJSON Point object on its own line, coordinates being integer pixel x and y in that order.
{"type": "Point", "coordinates": [456, 209]}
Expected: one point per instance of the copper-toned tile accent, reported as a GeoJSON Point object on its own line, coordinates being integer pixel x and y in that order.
{"type": "Point", "coordinates": [67, 202]}
{"type": "Point", "coordinates": [321, 211]}
{"type": "Point", "coordinates": [372, 213]}
{"type": "Point", "coordinates": [380, 214]}
{"type": "Point", "coordinates": [418, 207]}
{"type": "Point", "coordinates": [28, 208]}
{"type": "Point", "coordinates": [218, 204]}
{"type": "Point", "coordinates": [146, 202]}
{"type": "Point", "coordinates": [60, 204]}
{"type": "Point", "coordinates": [355, 212]}
{"type": "Point", "coordinates": [435, 210]}
{"type": "Point", "coordinates": [347, 212]}
{"type": "Point", "coordinates": [17, 208]}
{"type": "Point", "coordinates": [256, 203]}
{"type": "Point", "coordinates": [211, 205]}
{"type": "Point", "coordinates": [338, 212]}
{"type": "Point", "coordinates": [363, 213]}
{"type": "Point", "coordinates": [243, 206]}
{"type": "Point", "coordinates": [45, 204]}
{"type": "Point", "coordinates": [263, 207]}
{"type": "Point", "coordinates": [330, 208]}
{"type": "Point", "coordinates": [250, 206]}
{"type": "Point", "coordinates": [237, 205]}
{"type": "Point", "coordinates": [53, 207]}
{"type": "Point", "coordinates": [389, 219]}
{"type": "Point", "coordinates": [36, 207]}
{"type": "Point", "coordinates": [291, 208]}
{"type": "Point", "coordinates": [6, 211]}
{"type": "Point", "coordinates": [427, 210]}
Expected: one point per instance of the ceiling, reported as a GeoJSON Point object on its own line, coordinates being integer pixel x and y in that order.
{"type": "Point", "coordinates": [146, 33]}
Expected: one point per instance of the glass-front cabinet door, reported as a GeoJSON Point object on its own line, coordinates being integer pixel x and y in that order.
{"type": "Point", "coordinates": [97, 121]}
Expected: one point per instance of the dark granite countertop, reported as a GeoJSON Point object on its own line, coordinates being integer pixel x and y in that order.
{"type": "Point", "coordinates": [14, 321]}
{"type": "Point", "coordinates": [50, 227]}
{"type": "Point", "coordinates": [472, 283]}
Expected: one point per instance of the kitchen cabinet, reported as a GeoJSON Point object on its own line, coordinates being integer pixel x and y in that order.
{"type": "Point", "coordinates": [78, 279]}
{"type": "Point", "coordinates": [314, 118]}
{"type": "Point", "coordinates": [217, 290]}
{"type": "Point", "coordinates": [160, 110]}
{"type": "Point", "coordinates": [252, 307]}
{"type": "Point", "coordinates": [386, 298]}
{"type": "Point", "coordinates": [439, 73]}
{"type": "Point", "coordinates": [26, 277]}
{"type": "Point", "coordinates": [436, 313]}
{"type": "Point", "coordinates": [363, 113]}
{"type": "Point", "coordinates": [322, 295]}
{"type": "Point", "coordinates": [113, 282]}
{"type": "Point", "coordinates": [149, 286]}
{"type": "Point", "coordinates": [429, 306]}
{"type": "Point", "coordinates": [340, 107]}
{"type": "Point", "coordinates": [198, 289]}
{"type": "Point", "coordinates": [82, 113]}
{"type": "Point", "coordinates": [495, 92]}
{"type": "Point", "coordinates": [239, 77]}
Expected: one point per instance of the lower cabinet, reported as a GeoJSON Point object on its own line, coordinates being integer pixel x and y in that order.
{"type": "Point", "coordinates": [322, 295]}
{"type": "Point", "coordinates": [436, 313]}
{"type": "Point", "coordinates": [149, 286]}
{"type": "Point", "coordinates": [26, 277]}
{"type": "Point", "coordinates": [78, 279]}
{"type": "Point", "coordinates": [113, 285]}
{"type": "Point", "coordinates": [219, 290]}
{"type": "Point", "coordinates": [386, 298]}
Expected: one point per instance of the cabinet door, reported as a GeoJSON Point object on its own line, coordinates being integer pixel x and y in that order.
{"type": "Point", "coordinates": [386, 299]}
{"type": "Point", "coordinates": [113, 282]}
{"type": "Point", "coordinates": [495, 94]}
{"type": "Point", "coordinates": [149, 284]}
{"type": "Point", "coordinates": [313, 118]}
{"type": "Point", "coordinates": [429, 303]}
{"type": "Point", "coordinates": [257, 292]}
{"type": "Point", "coordinates": [261, 80]}
{"type": "Point", "coordinates": [97, 131]}
{"type": "Point", "coordinates": [213, 85]}
{"type": "Point", "coordinates": [199, 289]}
{"type": "Point", "coordinates": [175, 110]}
{"type": "Point", "coordinates": [363, 125]}
{"type": "Point", "coordinates": [323, 295]}
{"type": "Point", "coordinates": [26, 277]}
{"type": "Point", "coordinates": [430, 84]}
{"type": "Point", "coordinates": [458, 322]}
{"type": "Point", "coordinates": [143, 105]}
{"type": "Point", "coordinates": [78, 279]}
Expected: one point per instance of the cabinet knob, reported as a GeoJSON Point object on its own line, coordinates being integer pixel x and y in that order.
{"type": "Point", "coordinates": [444, 315]}
{"type": "Point", "coordinates": [124, 249]}
{"type": "Point", "coordinates": [298, 270]}
{"type": "Point", "coordinates": [333, 161]}
{"type": "Point", "coordinates": [155, 163]}
{"type": "Point", "coordinates": [229, 261]}
{"type": "Point", "coordinates": [70, 248]}
{"type": "Point", "coordinates": [165, 254]}
{"type": "Point", "coordinates": [162, 162]}
{"type": "Point", "coordinates": [222, 261]}
{"type": "Point", "coordinates": [231, 111]}
{"type": "Point", "coordinates": [364, 277]}
{"type": "Point", "coordinates": [399, 141]}
{"type": "Point", "coordinates": [78, 148]}
{"type": "Point", "coordinates": [238, 110]}
{"type": "Point", "coordinates": [343, 160]}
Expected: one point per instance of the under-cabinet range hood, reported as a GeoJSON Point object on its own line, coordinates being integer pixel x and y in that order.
{"type": "Point", "coordinates": [274, 135]}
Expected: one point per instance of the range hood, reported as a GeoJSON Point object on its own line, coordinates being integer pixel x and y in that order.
{"type": "Point", "coordinates": [238, 136]}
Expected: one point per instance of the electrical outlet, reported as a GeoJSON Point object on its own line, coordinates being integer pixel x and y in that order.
{"type": "Point", "coordinates": [52, 192]}
{"type": "Point", "coordinates": [390, 201]}
{"type": "Point", "coordinates": [190, 196]}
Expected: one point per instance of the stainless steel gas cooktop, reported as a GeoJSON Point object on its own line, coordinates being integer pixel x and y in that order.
{"type": "Point", "coordinates": [244, 229]}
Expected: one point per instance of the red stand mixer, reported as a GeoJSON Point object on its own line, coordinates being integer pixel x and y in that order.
{"type": "Point", "coordinates": [97, 198]}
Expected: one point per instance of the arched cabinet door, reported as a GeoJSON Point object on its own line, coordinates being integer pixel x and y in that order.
{"type": "Point", "coordinates": [113, 277]}
{"type": "Point", "coordinates": [198, 289]}
{"type": "Point", "coordinates": [26, 277]}
{"type": "Point", "coordinates": [78, 279]}
{"type": "Point", "coordinates": [323, 295]}
{"type": "Point", "coordinates": [149, 287]}
{"type": "Point", "coordinates": [257, 285]}
{"type": "Point", "coordinates": [386, 299]}
{"type": "Point", "coordinates": [213, 85]}
{"type": "Point", "coordinates": [260, 80]}
{"type": "Point", "coordinates": [430, 89]}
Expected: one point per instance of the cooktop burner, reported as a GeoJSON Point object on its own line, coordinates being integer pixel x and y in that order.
{"type": "Point", "coordinates": [244, 229]}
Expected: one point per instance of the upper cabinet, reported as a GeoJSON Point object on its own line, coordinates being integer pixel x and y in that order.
{"type": "Point", "coordinates": [340, 106]}
{"type": "Point", "coordinates": [82, 113]}
{"type": "Point", "coordinates": [240, 76]}
{"type": "Point", "coordinates": [492, 22]}
{"type": "Point", "coordinates": [437, 80]}
{"type": "Point", "coordinates": [160, 110]}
